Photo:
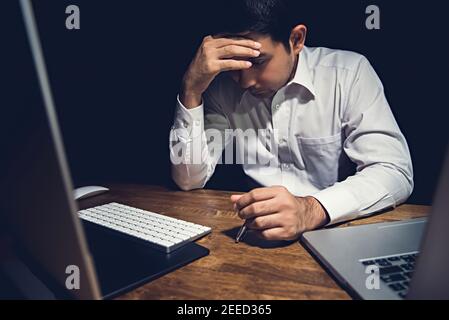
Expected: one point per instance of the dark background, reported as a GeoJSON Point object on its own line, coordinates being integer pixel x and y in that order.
{"type": "Point", "coordinates": [115, 80]}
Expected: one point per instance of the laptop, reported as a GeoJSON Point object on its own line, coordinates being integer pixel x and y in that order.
{"type": "Point", "coordinates": [393, 260]}
{"type": "Point", "coordinates": [63, 253]}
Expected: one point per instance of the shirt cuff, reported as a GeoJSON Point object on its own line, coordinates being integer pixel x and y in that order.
{"type": "Point", "coordinates": [340, 204]}
{"type": "Point", "coordinates": [189, 123]}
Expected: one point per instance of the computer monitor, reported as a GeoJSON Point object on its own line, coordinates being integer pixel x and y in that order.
{"type": "Point", "coordinates": [37, 207]}
{"type": "Point", "coordinates": [430, 279]}
{"type": "Point", "coordinates": [37, 189]}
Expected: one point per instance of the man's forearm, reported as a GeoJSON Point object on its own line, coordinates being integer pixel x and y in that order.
{"type": "Point", "coordinates": [373, 189]}
{"type": "Point", "coordinates": [319, 216]}
{"type": "Point", "coordinates": [190, 99]}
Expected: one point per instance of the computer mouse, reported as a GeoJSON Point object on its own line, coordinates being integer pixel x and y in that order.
{"type": "Point", "coordinates": [88, 191]}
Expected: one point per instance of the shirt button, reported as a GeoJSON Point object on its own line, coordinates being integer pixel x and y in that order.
{"type": "Point", "coordinates": [276, 107]}
{"type": "Point", "coordinates": [285, 166]}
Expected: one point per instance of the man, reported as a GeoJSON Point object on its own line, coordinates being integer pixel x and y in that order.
{"type": "Point", "coordinates": [325, 110]}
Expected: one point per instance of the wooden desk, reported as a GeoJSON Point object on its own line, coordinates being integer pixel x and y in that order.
{"type": "Point", "coordinates": [254, 269]}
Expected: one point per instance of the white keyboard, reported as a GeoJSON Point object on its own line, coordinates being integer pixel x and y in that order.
{"type": "Point", "coordinates": [162, 232]}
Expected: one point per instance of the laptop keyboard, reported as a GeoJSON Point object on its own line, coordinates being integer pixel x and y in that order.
{"type": "Point", "coordinates": [162, 232]}
{"type": "Point", "coordinates": [395, 271]}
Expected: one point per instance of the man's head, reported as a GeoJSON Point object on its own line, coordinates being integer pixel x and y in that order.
{"type": "Point", "coordinates": [272, 24]}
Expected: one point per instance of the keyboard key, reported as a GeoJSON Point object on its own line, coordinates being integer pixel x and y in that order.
{"type": "Point", "coordinates": [402, 294]}
{"type": "Point", "coordinates": [408, 274]}
{"type": "Point", "coordinates": [368, 263]}
{"type": "Point", "coordinates": [396, 287]}
{"type": "Point", "coordinates": [407, 267]}
{"type": "Point", "coordinates": [393, 278]}
{"type": "Point", "coordinates": [408, 259]}
{"type": "Point", "coordinates": [406, 284]}
{"type": "Point", "coordinates": [389, 270]}
{"type": "Point", "coordinates": [394, 259]}
{"type": "Point", "coordinates": [383, 262]}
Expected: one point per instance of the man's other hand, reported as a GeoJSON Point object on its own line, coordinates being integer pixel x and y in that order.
{"type": "Point", "coordinates": [275, 214]}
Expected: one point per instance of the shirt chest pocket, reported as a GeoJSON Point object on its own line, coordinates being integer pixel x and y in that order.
{"type": "Point", "coordinates": [321, 157]}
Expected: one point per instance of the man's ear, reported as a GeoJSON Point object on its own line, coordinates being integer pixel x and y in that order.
{"type": "Point", "coordinates": [298, 38]}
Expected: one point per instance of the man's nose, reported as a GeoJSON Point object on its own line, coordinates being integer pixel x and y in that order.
{"type": "Point", "coordinates": [247, 79]}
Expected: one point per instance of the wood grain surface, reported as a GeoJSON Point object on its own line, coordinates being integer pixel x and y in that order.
{"type": "Point", "coordinates": [253, 269]}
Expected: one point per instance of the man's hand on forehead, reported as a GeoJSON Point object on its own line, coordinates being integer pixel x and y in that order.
{"type": "Point", "coordinates": [214, 56]}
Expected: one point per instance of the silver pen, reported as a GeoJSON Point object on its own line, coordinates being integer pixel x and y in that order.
{"type": "Point", "coordinates": [241, 233]}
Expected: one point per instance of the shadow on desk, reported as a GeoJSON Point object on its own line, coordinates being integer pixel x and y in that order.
{"type": "Point", "coordinates": [253, 240]}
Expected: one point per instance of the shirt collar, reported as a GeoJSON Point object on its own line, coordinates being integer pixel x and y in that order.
{"type": "Point", "coordinates": [302, 73]}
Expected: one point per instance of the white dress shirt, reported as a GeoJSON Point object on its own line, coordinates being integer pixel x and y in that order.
{"type": "Point", "coordinates": [331, 118]}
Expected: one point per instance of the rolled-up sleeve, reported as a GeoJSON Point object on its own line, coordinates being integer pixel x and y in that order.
{"type": "Point", "coordinates": [374, 142]}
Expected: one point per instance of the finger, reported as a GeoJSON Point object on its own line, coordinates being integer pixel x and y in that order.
{"type": "Point", "coordinates": [236, 51]}
{"type": "Point", "coordinates": [235, 197]}
{"type": "Point", "coordinates": [259, 208]}
{"type": "Point", "coordinates": [272, 234]}
{"type": "Point", "coordinates": [229, 64]}
{"type": "Point", "coordinates": [208, 38]}
{"type": "Point", "coordinates": [221, 42]}
{"type": "Point", "coordinates": [265, 222]}
{"type": "Point", "coordinates": [255, 195]}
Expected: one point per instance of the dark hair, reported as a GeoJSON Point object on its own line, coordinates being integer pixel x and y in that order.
{"type": "Point", "coordinates": [267, 17]}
